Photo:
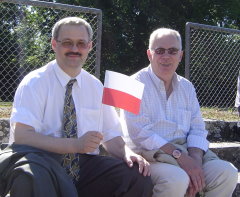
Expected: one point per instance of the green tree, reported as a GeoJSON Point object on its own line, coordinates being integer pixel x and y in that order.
{"type": "Point", "coordinates": [128, 24]}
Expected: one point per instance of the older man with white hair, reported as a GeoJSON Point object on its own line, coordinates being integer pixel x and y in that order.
{"type": "Point", "coordinates": [170, 131]}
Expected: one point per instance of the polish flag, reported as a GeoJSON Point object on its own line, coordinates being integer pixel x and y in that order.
{"type": "Point", "coordinates": [122, 91]}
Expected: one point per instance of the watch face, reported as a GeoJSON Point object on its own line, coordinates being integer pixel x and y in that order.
{"type": "Point", "coordinates": [176, 154]}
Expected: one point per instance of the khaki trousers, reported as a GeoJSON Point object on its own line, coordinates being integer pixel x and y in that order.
{"type": "Point", "coordinates": [172, 181]}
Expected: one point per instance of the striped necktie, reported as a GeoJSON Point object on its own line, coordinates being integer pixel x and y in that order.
{"type": "Point", "coordinates": [70, 161]}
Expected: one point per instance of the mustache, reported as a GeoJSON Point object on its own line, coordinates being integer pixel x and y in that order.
{"type": "Point", "coordinates": [74, 53]}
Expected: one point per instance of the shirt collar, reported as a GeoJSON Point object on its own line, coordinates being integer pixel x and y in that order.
{"type": "Point", "coordinates": [63, 77]}
{"type": "Point", "coordinates": [159, 83]}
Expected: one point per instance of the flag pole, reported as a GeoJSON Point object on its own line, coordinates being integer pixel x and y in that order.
{"type": "Point", "coordinates": [99, 119]}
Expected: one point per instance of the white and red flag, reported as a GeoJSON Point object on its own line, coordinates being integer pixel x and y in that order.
{"type": "Point", "coordinates": [122, 91]}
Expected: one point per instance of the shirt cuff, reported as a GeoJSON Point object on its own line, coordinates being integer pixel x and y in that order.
{"type": "Point", "coordinates": [198, 142]}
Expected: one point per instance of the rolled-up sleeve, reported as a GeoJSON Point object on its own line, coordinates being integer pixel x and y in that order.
{"type": "Point", "coordinates": [197, 133]}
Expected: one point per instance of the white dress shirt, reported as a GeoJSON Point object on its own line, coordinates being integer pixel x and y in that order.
{"type": "Point", "coordinates": [160, 119]}
{"type": "Point", "coordinates": [237, 102]}
{"type": "Point", "coordinates": [39, 101]}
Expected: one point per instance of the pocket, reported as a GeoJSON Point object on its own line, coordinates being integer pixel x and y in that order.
{"type": "Point", "coordinates": [184, 120]}
{"type": "Point", "coordinates": [90, 120]}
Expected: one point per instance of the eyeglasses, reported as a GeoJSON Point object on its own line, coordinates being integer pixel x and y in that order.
{"type": "Point", "coordinates": [171, 51]}
{"type": "Point", "coordinates": [69, 44]}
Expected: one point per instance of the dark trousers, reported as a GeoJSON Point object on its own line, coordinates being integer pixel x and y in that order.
{"type": "Point", "coordinates": [110, 177]}
{"type": "Point", "coordinates": [100, 176]}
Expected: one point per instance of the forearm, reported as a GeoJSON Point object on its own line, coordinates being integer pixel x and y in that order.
{"type": "Point", "coordinates": [116, 147]}
{"type": "Point", "coordinates": [26, 135]}
{"type": "Point", "coordinates": [168, 148]}
{"type": "Point", "coordinates": [196, 154]}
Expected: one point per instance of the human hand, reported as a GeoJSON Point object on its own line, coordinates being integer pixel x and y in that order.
{"type": "Point", "coordinates": [89, 142]}
{"type": "Point", "coordinates": [193, 167]}
{"type": "Point", "coordinates": [144, 166]}
{"type": "Point", "coordinates": [191, 192]}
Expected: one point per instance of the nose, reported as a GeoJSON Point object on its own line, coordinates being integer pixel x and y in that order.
{"type": "Point", "coordinates": [74, 47]}
{"type": "Point", "coordinates": [165, 54]}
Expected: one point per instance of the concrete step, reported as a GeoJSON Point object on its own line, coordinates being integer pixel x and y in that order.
{"type": "Point", "coordinates": [223, 131]}
{"type": "Point", "coordinates": [229, 151]}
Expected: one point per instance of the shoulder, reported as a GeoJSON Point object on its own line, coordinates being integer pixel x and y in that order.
{"type": "Point", "coordinates": [142, 75]}
{"type": "Point", "coordinates": [90, 80]}
{"type": "Point", "coordinates": [184, 82]}
{"type": "Point", "coordinates": [39, 76]}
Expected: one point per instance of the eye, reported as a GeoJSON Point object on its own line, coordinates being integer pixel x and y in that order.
{"type": "Point", "coordinates": [160, 51]}
{"type": "Point", "coordinates": [82, 44]}
{"type": "Point", "coordinates": [173, 51]}
{"type": "Point", "coordinates": [67, 43]}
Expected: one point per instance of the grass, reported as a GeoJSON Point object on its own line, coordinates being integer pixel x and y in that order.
{"type": "Point", "coordinates": [207, 113]}
{"type": "Point", "coordinates": [5, 109]}
{"type": "Point", "coordinates": [220, 114]}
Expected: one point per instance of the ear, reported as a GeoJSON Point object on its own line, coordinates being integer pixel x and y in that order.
{"type": "Point", "coordinates": [54, 44]}
{"type": "Point", "coordinates": [90, 46]}
{"type": "Point", "coordinates": [180, 56]}
{"type": "Point", "coordinates": [149, 54]}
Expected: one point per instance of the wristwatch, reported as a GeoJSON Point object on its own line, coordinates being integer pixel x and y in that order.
{"type": "Point", "coordinates": [176, 153]}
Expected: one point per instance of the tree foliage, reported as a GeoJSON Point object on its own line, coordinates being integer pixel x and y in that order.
{"type": "Point", "coordinates": [128, 24]}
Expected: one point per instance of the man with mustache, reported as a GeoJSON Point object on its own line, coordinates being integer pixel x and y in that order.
{"type": "Point", "coordinates": [169, 130]}
{"type": "Point", "coordinates": [57, 109]}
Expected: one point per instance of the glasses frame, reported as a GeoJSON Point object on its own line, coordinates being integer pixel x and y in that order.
{"type": "Point", "coordinates": [170, 51]}
{"type": "Point", "coordinates": [72, 44]}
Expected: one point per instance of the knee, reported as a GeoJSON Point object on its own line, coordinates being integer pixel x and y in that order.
{"type": "Point", "coordinates": [144, 180]}
{"type": "Point", "coordinates": [230, 172]}
{"type": "Point", "coordinates": [222, 171]}
{"type": "Point", "coordinates": [21, 186]}
{"type": "Point", "coordinates": [181, 180]}
{"type": "Point", "coordinates": [141, 182]}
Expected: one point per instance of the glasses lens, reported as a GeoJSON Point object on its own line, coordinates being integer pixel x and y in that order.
{"type": "Point", "coordinates": [82, 45]}
{"type": "Point", "coordinates": [160, 51]}
{"type": "Point", "coordinates": [173, 51]}
{"type": "Point", "coordinates": [67, 44]}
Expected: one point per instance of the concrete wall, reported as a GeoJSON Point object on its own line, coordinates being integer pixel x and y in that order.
{"type": "Point", "coordinates": [218, 131]}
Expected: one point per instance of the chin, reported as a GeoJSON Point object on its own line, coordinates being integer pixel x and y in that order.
{"type": "Point", "coordinates": [76, 64]}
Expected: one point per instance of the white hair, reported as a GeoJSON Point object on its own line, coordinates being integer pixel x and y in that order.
{"type": "Point", "coordinates": [164, 31]}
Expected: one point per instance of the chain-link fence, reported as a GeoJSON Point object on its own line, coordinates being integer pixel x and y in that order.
{"type": "Point", "coordinates": [212, 62]}
{"type": "Point", "coordinates": [25, 34]}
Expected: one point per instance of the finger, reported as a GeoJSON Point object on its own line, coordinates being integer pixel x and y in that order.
{"type": "Point", "coordinates": [146, 170]}
{"type": "Point", "coordinates": [93, 145]}
{"type": "Point", "coordinates": [197, 183]}
{"type": "Point", "coordinates": [203, 181]}
{"type": "Point", "coordinates": [128, 161]}
{"type": "Point", "coordinates": [190, 191]}
{"type": "Point", "coordinates": [139, 161]}
{"type": "Point", "coordinates": [194, 182]}
{"type": "Point", "coordinates": [140, 166]}
{"type": "Point", "coordinates": [95, 140]}
{"type": "Point", "coordinates": [97, 134]}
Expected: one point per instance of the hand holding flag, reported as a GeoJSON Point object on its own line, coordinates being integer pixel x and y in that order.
{"type": "Point", "coordinates": [122, 91]}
